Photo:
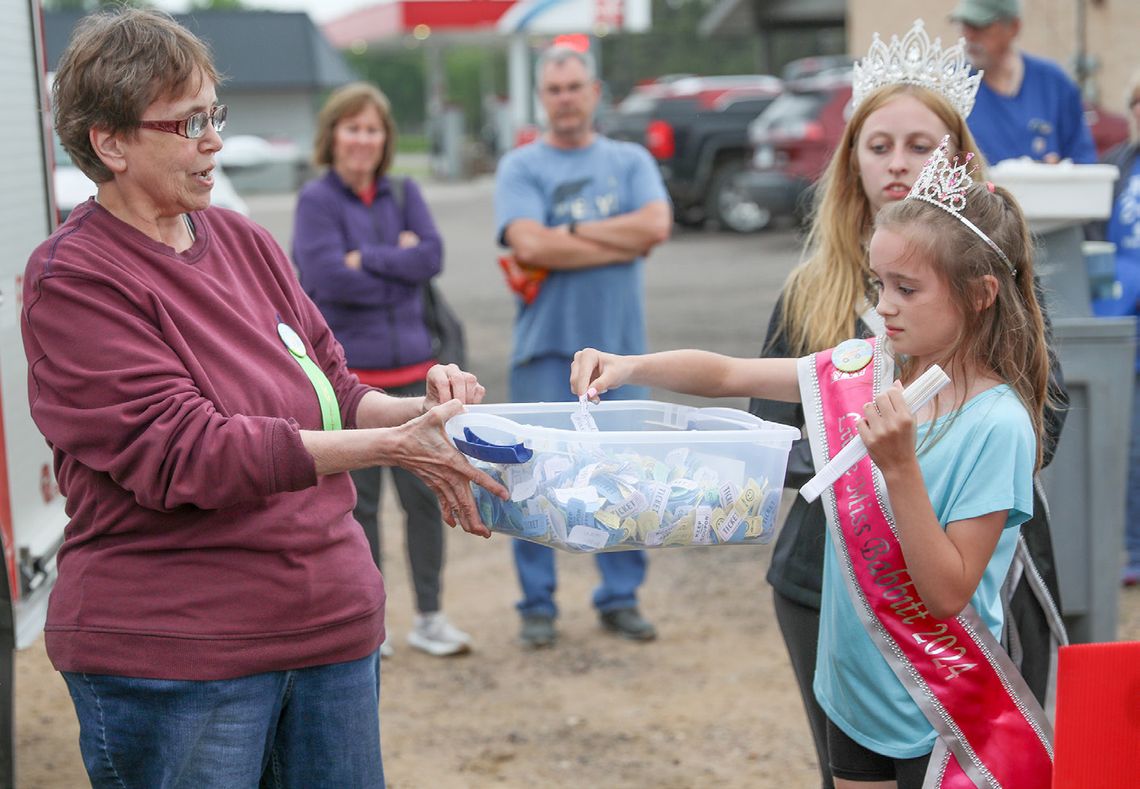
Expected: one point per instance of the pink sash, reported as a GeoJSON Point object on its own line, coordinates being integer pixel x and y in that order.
{"type": "Point", "coordinates": [992, 732]}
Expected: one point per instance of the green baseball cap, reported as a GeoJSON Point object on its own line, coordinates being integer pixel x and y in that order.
{"type": "Point", "coordinates": [979, 13]}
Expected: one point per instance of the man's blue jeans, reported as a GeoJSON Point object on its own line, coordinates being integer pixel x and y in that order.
{"type": "Point", "coordinates": [547, 380]}
{"type": "Point", "coordinates": [313, 727]}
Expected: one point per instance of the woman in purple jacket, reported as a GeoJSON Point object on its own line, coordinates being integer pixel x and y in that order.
{"type": "Point", "coordinates": [366, 245]}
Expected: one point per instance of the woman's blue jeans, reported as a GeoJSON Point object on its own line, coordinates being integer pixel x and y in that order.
{"type": "Point", "coordinates": [313, 727]}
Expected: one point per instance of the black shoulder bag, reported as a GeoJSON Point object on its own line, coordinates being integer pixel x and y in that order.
{"type": "Point", "coordinates": [447, 339]}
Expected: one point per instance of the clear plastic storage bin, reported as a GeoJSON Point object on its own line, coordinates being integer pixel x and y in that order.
{"type": "Point", "coordinates": [653, 474]}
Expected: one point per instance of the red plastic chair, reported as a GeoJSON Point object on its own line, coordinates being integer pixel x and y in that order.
{"type": "Point", "coordinates": [1097, 733]}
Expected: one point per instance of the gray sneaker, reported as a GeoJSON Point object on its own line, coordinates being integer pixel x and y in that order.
{"type": "Point", "coordinates": [628, 623]}
{"type": "Point", "coordinates": [537, 631]}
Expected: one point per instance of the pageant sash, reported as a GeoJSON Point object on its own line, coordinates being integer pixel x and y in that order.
{"type": "Point", "coordinates": [991, 731]}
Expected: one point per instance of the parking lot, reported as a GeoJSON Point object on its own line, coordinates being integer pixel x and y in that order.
{"type": "Point", "coordinates": [705, 289]}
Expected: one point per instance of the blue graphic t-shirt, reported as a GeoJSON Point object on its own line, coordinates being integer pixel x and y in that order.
{"type": "Point", "coordinates": [1124, 231]}
{"type": "Point", "coordinates": [1045, 116]}
{"type": "Point", "coordinates": [600, 307]}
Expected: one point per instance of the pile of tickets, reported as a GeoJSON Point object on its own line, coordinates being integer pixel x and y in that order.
{"type": "Point", "coordinates": [585, 492]}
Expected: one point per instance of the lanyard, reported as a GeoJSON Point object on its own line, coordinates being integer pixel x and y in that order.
{"type": "Point", "coordinates": [326, 396]}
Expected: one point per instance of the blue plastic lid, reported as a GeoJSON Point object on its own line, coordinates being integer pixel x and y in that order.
{"type": "Point", "coordinates": [491, 453]}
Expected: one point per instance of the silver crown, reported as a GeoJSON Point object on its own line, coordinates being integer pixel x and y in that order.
{"type": "Point", "coordinates": [944, 183]}
{"type": "Point", "coordinates": [917, 61]}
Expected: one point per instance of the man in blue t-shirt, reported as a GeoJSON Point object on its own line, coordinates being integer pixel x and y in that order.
{"type": "Point", "coordinates": [584, 210]}
{"type": "Point", "coordinates": [1026, 106]}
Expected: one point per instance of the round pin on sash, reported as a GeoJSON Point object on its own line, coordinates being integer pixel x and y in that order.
{"type": "Point", "coordinates": [326, 395]}
{"type": "Point", "coordinates": [851, 356]}
{"type": "Point", "coordinates": [291, 339]}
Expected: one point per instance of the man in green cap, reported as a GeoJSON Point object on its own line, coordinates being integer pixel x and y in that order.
{"type": "Point", "coordinates": [1026, 106]}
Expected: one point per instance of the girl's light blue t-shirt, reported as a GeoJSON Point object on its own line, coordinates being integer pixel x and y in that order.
{"type": "Point", "coordinates": [602, 306]}
{"type": "Point", "coordinates": [983, 463]}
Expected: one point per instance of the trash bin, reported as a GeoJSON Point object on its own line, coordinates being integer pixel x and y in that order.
{"type": "Point", "coordinates": [1085, 484]}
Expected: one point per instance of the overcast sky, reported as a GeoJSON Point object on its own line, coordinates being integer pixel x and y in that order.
{"type": "Point", "coordinates": [319, 10]}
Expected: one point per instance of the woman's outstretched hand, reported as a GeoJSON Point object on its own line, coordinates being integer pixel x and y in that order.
{"type": "Point", "coordinates": [594, 372]}
{"type": "Point", "coordinates": [448, 382]}
{"type": "Point", "coordinates": [424, 449]}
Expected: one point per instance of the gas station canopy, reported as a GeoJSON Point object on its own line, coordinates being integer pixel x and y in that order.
{"type": "Point", "coordinates": [470, 21]}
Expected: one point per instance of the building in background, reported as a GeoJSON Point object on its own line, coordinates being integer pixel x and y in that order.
{"type": "Point", "coordinates": [277, 67]}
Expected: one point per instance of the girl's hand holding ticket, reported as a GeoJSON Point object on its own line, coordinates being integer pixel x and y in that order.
{"type": "Point", "coordinates": [594, 373]}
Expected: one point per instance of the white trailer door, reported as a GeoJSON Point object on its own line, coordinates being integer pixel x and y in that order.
{"type": "Point", "coordinates": [31, 509]}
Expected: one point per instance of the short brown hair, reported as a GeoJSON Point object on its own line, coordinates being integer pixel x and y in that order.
{"type": "Point", "coordinates": [344, 103]}
{"type": "Point", "coordinates": [117, 64]}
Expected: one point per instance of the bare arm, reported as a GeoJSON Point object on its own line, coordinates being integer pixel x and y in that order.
{"type": "Point", "coordinates": [616, 239]}
{"type": "Point", "coordinates": [688, 372]}
{"type": "Point", "coordinates": [946, 565]}
{"type": "Point", "coordinates": [409, 432]}
{"type": "Point", "coordinates": [536, 245]}
{"type": "Point", "coordinates": [637, 232]}
{"type": "Point", "coordinates": [444, 382]}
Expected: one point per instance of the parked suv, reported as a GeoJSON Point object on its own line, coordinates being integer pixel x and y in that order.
{"type": "Point", "coordinates": [793, 141]}
{"type": "Point", "coordinates": [697, 130]}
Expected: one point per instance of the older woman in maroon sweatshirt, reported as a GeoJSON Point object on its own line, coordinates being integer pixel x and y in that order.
{"type": "Point", "coordinates": [217, 616]}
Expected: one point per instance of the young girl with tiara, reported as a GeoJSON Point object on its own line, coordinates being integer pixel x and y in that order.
{"type": "Point", "coordinates": [908, 93]}
{"type": "Point", "coordinates": [921, 532]}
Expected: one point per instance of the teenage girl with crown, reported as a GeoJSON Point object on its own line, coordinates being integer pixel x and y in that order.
{"type": "Point", "coordinates": [906, 96]}
{"type": "Point", "coordinates": [919, 543]}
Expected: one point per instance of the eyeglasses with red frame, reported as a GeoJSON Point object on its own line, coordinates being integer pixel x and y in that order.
{"type": "Point", "coordinates": [193, 127]}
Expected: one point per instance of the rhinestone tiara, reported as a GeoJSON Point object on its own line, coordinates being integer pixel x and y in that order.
{"type": "Point", "coordinates": [917, 61]}
{"type": "Point", "coordinates": [944, 183]}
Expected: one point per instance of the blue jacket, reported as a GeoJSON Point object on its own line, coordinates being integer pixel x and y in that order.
{"type": "Point", "coordinates": [376, 312]}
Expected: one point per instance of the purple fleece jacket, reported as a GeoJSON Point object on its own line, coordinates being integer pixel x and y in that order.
{"type": "Point", "coordinates": [377, 312]}
{"type": "Point", "coordinates": [201, 542]}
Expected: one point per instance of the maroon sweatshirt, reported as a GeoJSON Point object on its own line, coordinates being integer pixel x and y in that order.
{"type": "Point", "coordinates": [201, 542]}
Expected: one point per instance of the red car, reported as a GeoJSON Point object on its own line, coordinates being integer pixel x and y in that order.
{"type": "Point", "coordinates": [793, 141]}
{"type": "Point", "coordinates": [1109, 129]}
{"type": "Point", "coordinates": [794, 138]}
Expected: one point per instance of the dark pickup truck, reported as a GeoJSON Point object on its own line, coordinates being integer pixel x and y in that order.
{"type": "Point", "coordinates": [697, 130]}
